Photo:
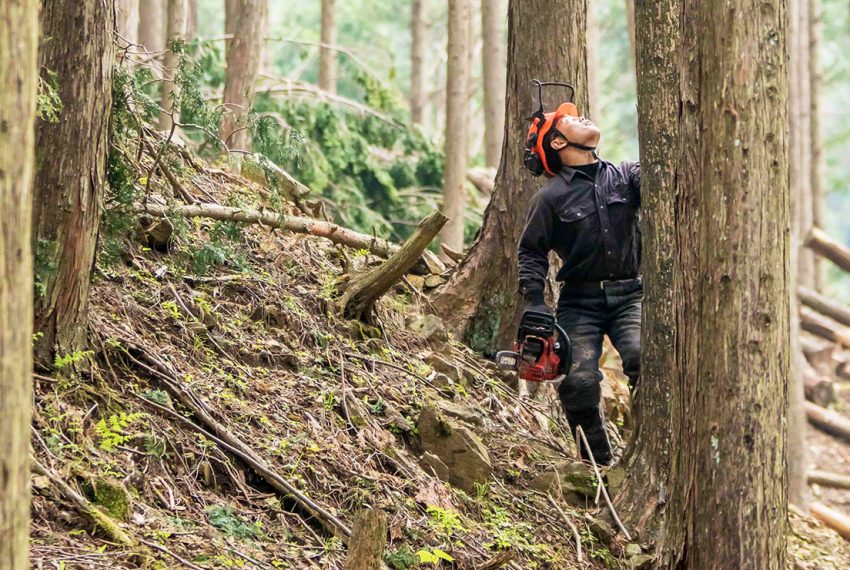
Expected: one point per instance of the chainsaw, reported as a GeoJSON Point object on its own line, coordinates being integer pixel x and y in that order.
{"type": "Point", "coordinates": [541, 351]}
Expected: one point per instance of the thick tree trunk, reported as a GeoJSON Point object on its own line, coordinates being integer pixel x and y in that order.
{"type": "Point", "coordinates": [18, 77]}
{"type": "Point", "coordinates": [630, 22]}
{"type": "Point", "coordinates": [725, 396]}
{"type": "Point", "coordinates": [593, 81]}
{"type": "Point", "coordinates": [493, 17]}
{"type": "Point", "coordinates": [818, 160]}
{"type": "Point", "coordinates": [480, 302]}
{"type": "Point", "coordinates": [418, 43]}
{"type": "Point", "coordinates": [70, 176]}
{"type": "Point", "coordinates": [244, 20]}
{"type": "Point", "coordinates": [368, 541]}
{"type": "Point", "coordinates": [169, 94]}
{"type": "Point", "coordinates": [328, 53]}
{"type": "Point", "coordinates": [127, 19]}
{"type": "Point", "coordinates": [457, 117]}
{"type": "Point", "coordinates": [152, 24]}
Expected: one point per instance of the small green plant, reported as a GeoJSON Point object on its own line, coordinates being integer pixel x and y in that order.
{"type": "Point", "coordinates": [64, 361]}
{"type": "Point", "coordinates": [445, 521]}
{"type": "Point", "coordinates": [113, 430]}
{"type": "Point", "coordinates": [401, 559]}
{"type": "Point", "coordinates": [223, 518]}
{"type": "Point", "coordinates": [48, 103]}
{"type": "Point", "coordinates": [434, 557]}
{"type": "Point", "coordinates": [171, 308]}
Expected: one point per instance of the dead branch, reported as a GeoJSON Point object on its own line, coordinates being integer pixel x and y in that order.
{"type": "Point", "coordinates": [362, 291]}
{"type": "Point", "coordinates": [828, 479]}
{"type": "Point", "coordinates": [839, 522]}
{"type": "Point", "coordinates": [368, 541]}
{"type": "Point", "coordinates": [823, 327]}
{"type": "Point", "coordinates": [827, 420]}
{"type": "Point", "coordinates": [818, 389]}
{"type": "Point", "coordinates": [484, 179]}
{"type": "Point", "coordinates": [569, 523]}
{"type": "Point", "coordinates": [822, 244]}
{"type": "Point", "coordinates": [824, 305]}
{"type": "Point", "coordinates": [259, 172]}
{"type": "Point", "coordinates": [84, 506]}
{"type": "Point", "coordinates": [319, 228]}
{"type": "Point", "coordinates": [223, 437]}
{"type": "Point", "coordinates": [498, 561]}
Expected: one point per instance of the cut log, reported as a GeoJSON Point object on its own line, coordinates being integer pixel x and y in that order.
{"type": "Point", "coordinates": [822, 244]}
{"type": "Point", "coordinates": [823, 327]}
{"type": "Point", "coordinates": [837, 521]}
{"type": "Point", "coordinates": [827, 420]}
{"type": "Point", "coordinates": [368, 541]}
{"type": "Point", "coordinates": [363, 290]}
{"type": "Point", "coordinates": [484, 179]}
{"type": "Point", "coordinates": [824, 305]}
{"type": "Point", "coordinates": [319, 228]}
{"type": "Point", "coordinates": [819, 389]}
{"type": "Point", "coordinates": [828, 479]}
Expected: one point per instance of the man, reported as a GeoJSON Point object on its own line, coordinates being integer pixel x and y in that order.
{"type": "Point", "coordinates": [588, 215]}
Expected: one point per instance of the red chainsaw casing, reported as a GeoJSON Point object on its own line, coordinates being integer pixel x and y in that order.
{"type": "Point", "coordinates": [544, 366]}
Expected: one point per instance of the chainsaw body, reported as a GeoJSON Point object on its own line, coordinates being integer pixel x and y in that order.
{"type": "Point", "coordinates": [541, 351]}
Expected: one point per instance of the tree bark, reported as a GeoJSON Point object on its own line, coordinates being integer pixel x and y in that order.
{"type": "Point", "coordinates": [480, 302]}
{"type": "Point", "coordinates": [70, 174]}
{"type": "Point", "coordinates": [192, 20]}
{"type": "Point", "coordinates": [630, 23]}
{"type": "Point", "coordinates": [822, 244]}
{"type": "Point", "coordinates": [418, 43]}
{"type": "Point", "coordinates": [593, 81]}
{"type": "Point", "coordinates": [456, 135]}
{"type": "Point", "coordinates": [169, 95]}
{"type": "Point", "coordinates": [824, 305]}
{"type": "Point", "coordinates": [18, 78]}
{"type": "Point", "coordinates": [493, 16]}
{"type": "Point", "coordinates": [244, 20]}
{"type": "Point", "coordinates": [127, 19]}
{"type": "Point", "coordinates": [729, 298]}
{"type": "Point", "coordinates": [818, 158]}
{"type": "Point", "coordinates": [152, 25]}
{"type": "Point", "coordinates": [368, 541]}
{"type": "Point", "coordinates": [328, 55]}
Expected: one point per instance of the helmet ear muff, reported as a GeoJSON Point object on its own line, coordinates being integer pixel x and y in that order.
{"type": "Point", "coordinates": [530, 158]}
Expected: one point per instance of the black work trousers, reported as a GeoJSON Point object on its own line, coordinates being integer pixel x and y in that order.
{"type": "Point", "coordinates": [587, 315]}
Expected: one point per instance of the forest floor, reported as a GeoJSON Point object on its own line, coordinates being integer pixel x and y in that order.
{"type": "Point", "coordinates": [229, 343]}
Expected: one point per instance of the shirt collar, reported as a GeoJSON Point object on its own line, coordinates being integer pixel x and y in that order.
{"type": "Point", "coordinates": [568, 173]}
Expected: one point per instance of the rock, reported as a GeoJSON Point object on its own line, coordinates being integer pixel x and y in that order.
{"type": "Point", "coordinates": [433, 281]}
{"type": "Point", "coordinates": [433, 465]}
{"type": "Point", "coordinates": [113, 498]}
{"type": "Point", "coordinates": [417, 281]}
{"type": "Point", "coordinates": [641, 562]}
{"type": "Point", "coordinates": [428, 327]}
{"type": "Point", "coordinates": [458, 448]}
{"type": "Point", "coordinates": [573, 480]}
{"type": "Point", "coordinates": [157, 233]}
{"type": "Point", "coordinates": [614, 478]}
{"type": "Point", "coordinates": [633, 549]}
{"type": "Point", "coordinates": [600, 529]}
{"type": "Point", "coordinates": [461, 412]}
{"type": "Point", "coordinates": [443, 366]}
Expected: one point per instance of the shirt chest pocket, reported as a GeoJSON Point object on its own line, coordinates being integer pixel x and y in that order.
{"type": "Point", "coordinates": [576, 211]}
{"type": "Point", "coordinates": [620, 193]}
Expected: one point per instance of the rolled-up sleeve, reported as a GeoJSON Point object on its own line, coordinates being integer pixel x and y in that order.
{"type": "Point", "coordinates": [534, 248]}
{"type": "Point", "coordinates": [633, 170]}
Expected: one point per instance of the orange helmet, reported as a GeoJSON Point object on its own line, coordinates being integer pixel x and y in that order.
{"type": "Point", "coordinates": [541, 125]}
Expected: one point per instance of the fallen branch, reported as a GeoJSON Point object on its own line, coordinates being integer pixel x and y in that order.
{"type": "Point", "coordinates": [823, 327]}
{"type": "Point", "coordinates": [497, 561]}
{"type": "Point", "coordinates": [226, 439]}
{"type": "Point", "coordinates": [827, 420]}
{"type": "Point", "coordinates": [83, 505]}
{"type": "Point", "coordinates": [822, 244]}
{"type": "Point", "coordinates": [839, 522]}
{"type": "Point", "coordinates": [824, 305]}
{"type": "Point", "coordinates": [818, 389]}
{"type": "Point", "coordinates": [828, 479]}
{"type": "Point", "coordinates": [319, 228]}
{"type": "Point", "coordinates": [368, 541]}
{"type": "Point", "coordinates": [484, 179]}
{"type": "Point", "coordinates": [580, 433]}
{"type": "Point", "coordinates": [569, 523]}
{"type": "Point", "coordinates": [362, 291]}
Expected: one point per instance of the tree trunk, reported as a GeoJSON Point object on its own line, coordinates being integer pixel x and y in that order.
{"type": "Point", "coordinates": [127, 19]}
{"type": "Point", "coordinates": [192, 20]}
{"type": "Point", "coordinates": [630, 22]}
{"type": "Point", "coordinates": [818, 160]}
{"type": "Point", "coordinates": [169, 94]}
{"type": "Point", "coordinates": [244, 20]}
{"type": "Point", "coordinates": [328, 52]}
{"type": "Point", "coordinates": [152, 24]}
{"type": "Point", "coordinates": [368, 541]}
{"type": "Point", "coordinates": [593, 81]}
{"type": "Point", "coordinates": [456, 136]}
{"type": "Point", "coordinates": [18, 74]}
{"type": "Point", "coordinates": [480, 302]}
{"type": "Point", "coordinates": [70, 175]}
{"type": "Point", "coordinates": [800, 132]}
{"type": "Point", "coordinates": [712, 92]}
{"type": "Point", "coordinates": [418, 43]}
{"type": "Point", "coordinates": [493, 16]}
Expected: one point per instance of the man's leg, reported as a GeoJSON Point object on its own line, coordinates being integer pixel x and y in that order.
{"type": "Point", "coordinates": [583, 320]}
{"type": "Point", "coordinates": [624, 331]}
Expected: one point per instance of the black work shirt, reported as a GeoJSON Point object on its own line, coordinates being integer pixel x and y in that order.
{"type": "Point", "coordinates": [590, 222]}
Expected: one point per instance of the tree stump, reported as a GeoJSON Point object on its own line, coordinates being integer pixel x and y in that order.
{"type": "Point", "coordinates": [368, 541]}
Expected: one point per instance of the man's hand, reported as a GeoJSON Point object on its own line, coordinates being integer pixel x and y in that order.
{"type": "Point", "coordinates": [539, 309]}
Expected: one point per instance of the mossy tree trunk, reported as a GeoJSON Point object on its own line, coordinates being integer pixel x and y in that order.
{"type": "Point", "coordinates": [481, 303]}
{"type": "Point", "coordinates": [71, 170]}
{"type": "Point", "coordinates": [706, 471]}
{"type": "Point", "coordinates": [18, 77]}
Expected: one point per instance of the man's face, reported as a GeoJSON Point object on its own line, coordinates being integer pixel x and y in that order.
{"type": "Point", "coordinates": [579, 130]}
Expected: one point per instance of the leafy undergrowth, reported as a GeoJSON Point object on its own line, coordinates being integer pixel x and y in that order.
{"type": "Point", "coordinates": [239, 324]}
